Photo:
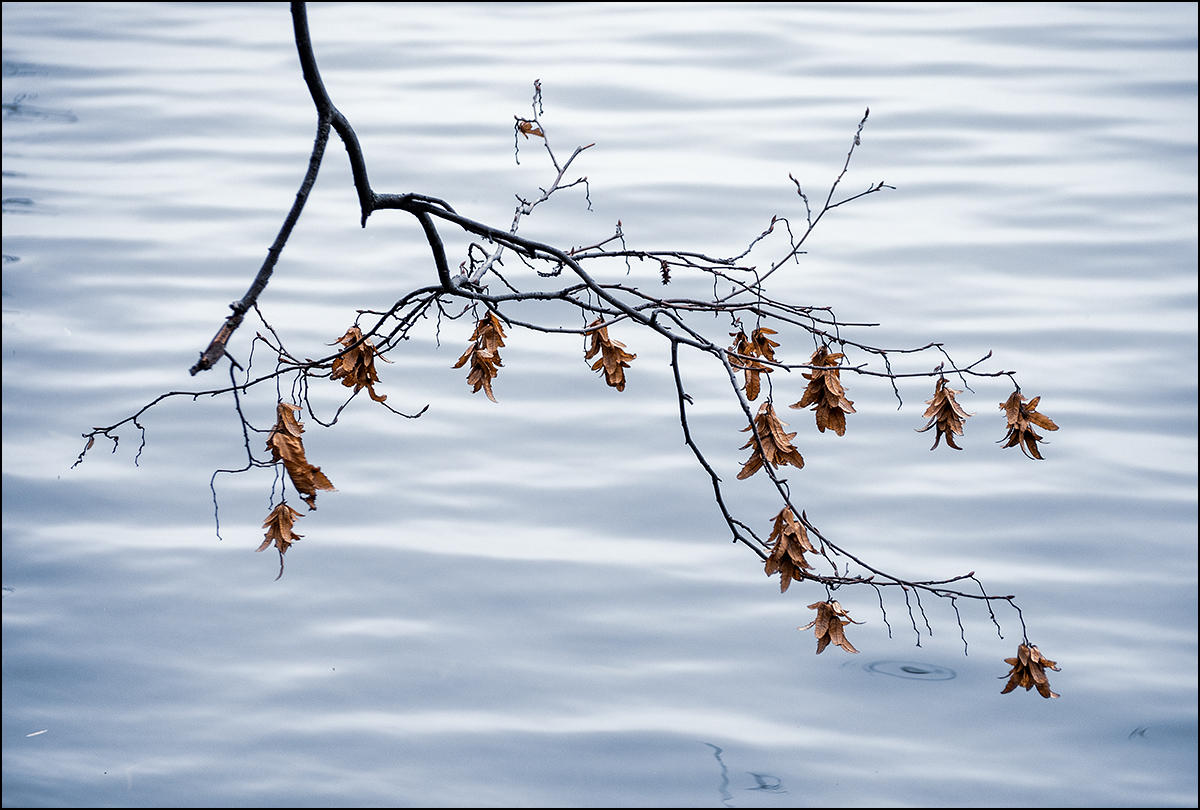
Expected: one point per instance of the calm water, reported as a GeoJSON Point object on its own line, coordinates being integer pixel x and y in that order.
{"type": "Point", "coordinates": [535, 602]}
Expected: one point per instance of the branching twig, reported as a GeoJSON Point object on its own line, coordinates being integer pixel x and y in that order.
{"type": "Point", "coordinates": [739, 294]}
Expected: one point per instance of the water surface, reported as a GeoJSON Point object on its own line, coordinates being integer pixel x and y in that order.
{"type": "Point", "coordinates": [535, 602]}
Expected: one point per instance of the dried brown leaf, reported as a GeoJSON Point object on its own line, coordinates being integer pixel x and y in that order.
{"type": "Point", "coordinates": [945, 414]}
{"type": "Point", "coordinates": [1021, 418]}
{"type": "Point", "coordinates": [741, 345]}
{"type": "Point", "coordinates": [613, 357]}
{"type": "Point", "coordinates": [1029, 670]}
{"type": "Point", "coordinates": [776, 443]}
{"type": "Point", "coordinates": [757, 345]}
{"type": "Point", "coordinates": [279, 531]}
{"type": "Point", "coordinates": [790, 541]}
{"type": "Point", "coordinates": [285, 445]}
{"type": "Point", "coordinates": [829, 627]}
{"type": "Point", "coordinates": [356, 367]}
{"type": "Point", "coordinates": [528, 128]}
{"type": "Point", "coordinates": [484, 354]}
{"type": "Point", "coordinates": [826, 394]}
{"type": "Point", "coordinates": [763, 345]}
{"type": "Point", "coordinates": [753, 385]}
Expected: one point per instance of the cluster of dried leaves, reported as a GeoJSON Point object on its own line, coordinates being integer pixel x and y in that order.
{"type": "Point", "coordinates": [744, 349]}
{"type": "Point", "coordinates": [770, 442]}
{"type": "Point", "coordinates": [788, 541]}
{"type": "Point", "coordinates": [948, 417]}
{"type": "Point", "coordinates": [484, 354]}
{"type": "Point", "coordinates": [827, 397]}
{"type": "Point", "coordinates": [356, 366]}
{"type": "Point", "coordinates": [286, 445]}
{"type": "Point", "coordinates": [829, 627]}
{"type": "Point", "coordinates": [945, 414]}
{"type": "Point", "coordinates": [1021, 419]}
{"type": "Point", "coordinates": [1029, 670]}
{"type": "Point", "coordinates": [488, 337]}
{"type": "Point", "coordinates": [825, 393]}
{"type": "Point", "coordinates": [613, 357]}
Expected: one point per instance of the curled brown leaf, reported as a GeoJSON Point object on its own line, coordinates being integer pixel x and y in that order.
{"type": "Point", "coordinates": [285, 445]}
{"type": "Point", "coordinates": [356, 367]}
{"type": "Point", "coordinates": [528, 128]}
{"type": "Point", "coordinates": [279, 531]}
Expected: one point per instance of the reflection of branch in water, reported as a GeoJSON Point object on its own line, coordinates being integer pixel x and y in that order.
{"type": "Point", "coordinates": [23, 69]}
{"type": "Point", "coordinates": [767, 782]}
{"type": "Point", "coordinates": [16, 205]}
{"type": "Point", "coordinates": [724, 788]}
{"type": "Point", "coordinates": [19, 109]}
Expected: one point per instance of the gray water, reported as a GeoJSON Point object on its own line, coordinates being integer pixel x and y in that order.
{"type": "Point", "coordinates": [536, 602]}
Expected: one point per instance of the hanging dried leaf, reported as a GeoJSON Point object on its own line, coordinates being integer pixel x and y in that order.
{"type": "Point", "coordinates": [1021, 419]}
{"type": "Point", "coordinates": [484, 354]}
{"type": "Point", "coordinates": [945, 413]}
{"type": "Point", "coordinates": [1029, 670]}
{"type": "Point", "coordinates": [528, 128]}
{"type": "Point", "coordinates": [613, 357]}
{"type": "Point", "coordinates": [757, 345]}
{"type": "Point", "coordinates": [829, 626]}
{"type": "Point", "coordinates": [776, 444]}
{"type": "Point", "coordinates": [741, 345]}
{"type": "Point", "coordinates": [356, 368]}
{"type": "Point", "coordinates": [752, 368]}
{"type": "Point", "coordinates": [790, 541]}
{"type": "Point", "coordinates": [763, 345]}
{"type": "Point", "coordinates": [826, 394]}
{"type": "Point", "coordinates": [279, 531]}
{"type": "Point", "coordinates": [286, 445]}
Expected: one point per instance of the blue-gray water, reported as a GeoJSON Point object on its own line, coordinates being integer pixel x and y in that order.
{"type": "Point", "coordinates": [536, 602]}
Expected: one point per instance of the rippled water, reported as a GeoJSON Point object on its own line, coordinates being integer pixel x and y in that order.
{"type": "Point", "coordinates": [535, 602]}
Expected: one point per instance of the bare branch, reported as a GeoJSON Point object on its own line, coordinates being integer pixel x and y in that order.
{"type": "Point", "coordinates": [740, 300]}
